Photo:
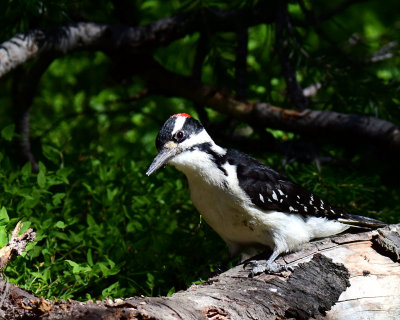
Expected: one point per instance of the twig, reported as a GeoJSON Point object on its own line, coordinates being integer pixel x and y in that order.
{"type": "Point", "coordinates": [16, 245]}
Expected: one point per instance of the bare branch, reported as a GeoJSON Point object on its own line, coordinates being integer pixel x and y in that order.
{"type": "Point", "coordinates": [388, 51]}
{"type": "Point", "coordinates": [93, 36]}
{"type": "Point", "coordinates": [24, 88]}
{"type": "Point", "coordinates": [23, 47]}
{"type": "Point", "coordinates": [16, 245]}
{"type": "Point", "coordinates": [322, 123]}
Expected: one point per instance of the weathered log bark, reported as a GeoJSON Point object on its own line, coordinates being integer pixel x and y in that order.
{"type": "Point", "coordinates": [352, 276]}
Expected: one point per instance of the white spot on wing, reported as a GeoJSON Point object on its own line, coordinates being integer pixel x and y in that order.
{"type": "Point", "coordinates": [274, 196]}
{"type": "Point", "coordinates": [261, 198]}
{"type": "Point", "coordinates": [280, 192]}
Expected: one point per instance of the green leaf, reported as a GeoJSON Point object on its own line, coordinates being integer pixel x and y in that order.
{"type": "Point", "coordinates": [57, 198]}
{"type": "Point", "coordinates": [171, 292]}
{"type": "Point", "coordinates": [3, 237]}
{"type": "Point", "coordinates": [26, 170]}
{"type": "Point", "coordinates": [76, 268]}
{"type": "Point", "coordinates": [51, 153]}
{"type": "Point", "coordinates": [150, 280]}
{"type": "Point", "coordinates": [8, 132]}
{"type": "Point", "coordinates": [91, 222]}
{"type": "Point", "coordinates": [4, 218]}
{"type": "Point", "coordinates": [110, 290]}
{"type": "Point", "coordinates": [25, 226]}
{"type": "Point", "coordinates": [41, 177]}
{"type": "Point", "coordinates": [89, 257]}
{"type": "Point", "coordinates": [60, 225]}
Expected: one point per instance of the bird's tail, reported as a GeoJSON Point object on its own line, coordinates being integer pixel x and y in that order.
{"type": "Point", "coordinates": [359, 221]}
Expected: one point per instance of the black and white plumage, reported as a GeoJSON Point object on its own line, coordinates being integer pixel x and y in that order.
{"type": "Point", "coordinates": [247, 203]}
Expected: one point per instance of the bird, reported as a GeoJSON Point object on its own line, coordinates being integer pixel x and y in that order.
{"type": "Point", "coordinates": [246, 202]}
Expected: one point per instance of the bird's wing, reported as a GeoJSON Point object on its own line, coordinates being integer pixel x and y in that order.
{"type": "Point", "coordinates": [270, 190]}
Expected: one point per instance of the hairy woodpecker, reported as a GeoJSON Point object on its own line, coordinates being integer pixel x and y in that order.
{"type": "Point", "coordinates": [247, 203]}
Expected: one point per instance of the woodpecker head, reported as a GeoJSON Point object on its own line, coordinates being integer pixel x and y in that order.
{"type": "Point", "coordinates": [179, 136]}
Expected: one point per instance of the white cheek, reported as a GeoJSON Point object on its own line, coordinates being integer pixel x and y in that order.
{"type": "Point", "coordinates": [196, 139]}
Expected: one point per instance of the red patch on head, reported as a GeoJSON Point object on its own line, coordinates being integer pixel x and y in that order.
{"type": "Point", "coordinates": [181, 115]}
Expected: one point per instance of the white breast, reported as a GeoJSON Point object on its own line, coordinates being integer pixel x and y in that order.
{"type": "Point", "coordinates": [228, 210]}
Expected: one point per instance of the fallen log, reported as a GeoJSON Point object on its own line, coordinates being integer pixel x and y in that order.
{"type": "Point", "coordinates": [351, 276]}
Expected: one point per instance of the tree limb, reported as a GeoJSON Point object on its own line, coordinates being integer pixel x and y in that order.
{"type": "Point", "coordinates": [139, 39]}
{"type": "Point", "coordinates": [322, 123]}
{"type": "Point", "coordinates": [24, 89]}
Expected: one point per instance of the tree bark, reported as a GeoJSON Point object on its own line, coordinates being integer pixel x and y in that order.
{"type": "Point", "coordinates": [352, 276]}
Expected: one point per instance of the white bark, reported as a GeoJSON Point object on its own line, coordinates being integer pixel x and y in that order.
{"type": "Point", "coordinates": [24, 47]}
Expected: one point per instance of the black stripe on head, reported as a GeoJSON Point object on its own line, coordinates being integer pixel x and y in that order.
{"type": "Point", "coordinates": [190, 126]}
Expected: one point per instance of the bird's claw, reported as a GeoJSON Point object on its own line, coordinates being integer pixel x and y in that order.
{"type": "Point", "coordinates": [269, 267]}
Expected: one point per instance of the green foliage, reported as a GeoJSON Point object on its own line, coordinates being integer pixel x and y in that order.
{"type": "Point", "coordinates": [104, 228]}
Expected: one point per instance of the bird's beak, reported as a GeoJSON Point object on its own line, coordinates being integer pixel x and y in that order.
{"type": "Point", "coordinates": [169, 150]}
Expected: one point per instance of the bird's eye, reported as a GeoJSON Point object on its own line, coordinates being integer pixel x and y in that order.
{"type": "Point", "coordinates": [179, 135]}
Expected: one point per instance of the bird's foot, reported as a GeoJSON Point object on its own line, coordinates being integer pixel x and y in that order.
{"type": "Point", "coordinates": [269, 267]}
